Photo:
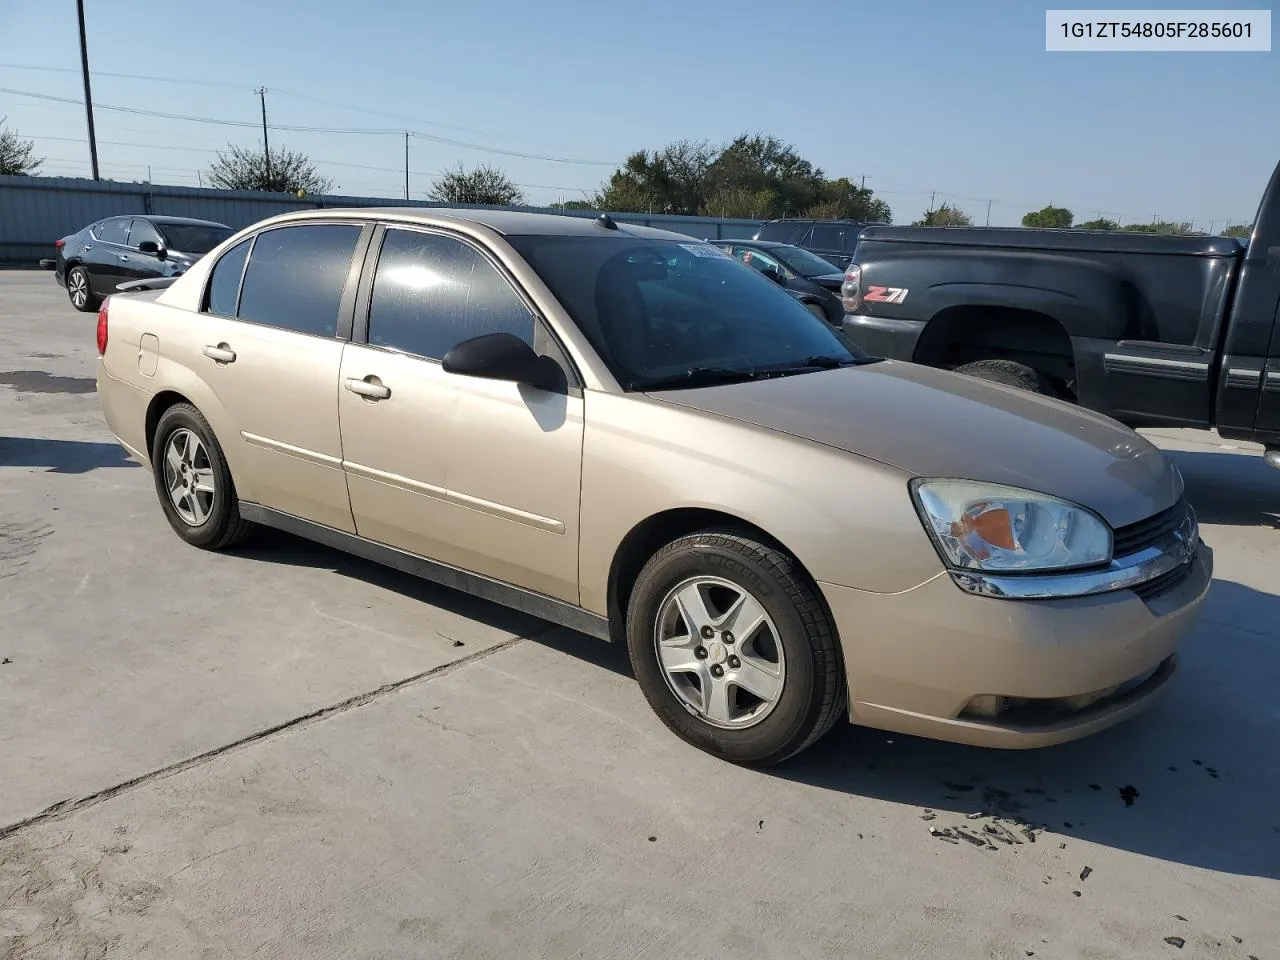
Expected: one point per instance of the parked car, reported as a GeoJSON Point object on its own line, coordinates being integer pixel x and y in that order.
{"type": "Point", "coordinates": [621, 430]}
{"type": "Point", "coordinates": [94, 261]}
{"type": "Point", "coordinates": [833, 240]}
{"type": "Point", "coordinates": [804, 275]}
{"type": "Point", "coordinates": [1151, 330]}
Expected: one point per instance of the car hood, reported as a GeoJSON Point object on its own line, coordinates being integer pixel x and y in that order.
{"type": "Point", "coordinates": [932, 423]}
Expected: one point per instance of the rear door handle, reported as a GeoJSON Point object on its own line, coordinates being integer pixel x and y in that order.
{"type": "Point", "coordinates": [369, 387]}
{"type": "Point", "coordinates": [221, 353]}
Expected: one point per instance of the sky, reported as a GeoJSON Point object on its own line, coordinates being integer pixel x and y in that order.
{"type": "Point", "coordinates": [956, 99]}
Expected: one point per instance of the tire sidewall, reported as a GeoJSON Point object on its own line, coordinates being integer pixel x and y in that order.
{"type": "Point", "coordinates": [793, 715]}
{"type": "Point", "coordinates": [211, 531]}
{"type": "Point", "coordinates": [89, 304]}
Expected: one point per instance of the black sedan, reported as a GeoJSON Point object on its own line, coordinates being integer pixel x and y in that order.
{"type": "Point", "coordinates": [806, 276]}
{"type": "Point", "coordinates": [93, 262]}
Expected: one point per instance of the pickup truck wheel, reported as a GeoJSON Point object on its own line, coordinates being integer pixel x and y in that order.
{"type": "Point", "coordinates": [817, 311]}
{"type": "Point", "coordinates": [1011, 374]}
{"type": "Point", "coordinates": [193, 483]}
{"type": "Point", "coordinates": [80, 293]}
{"type": "Point", "coordinates": [733, 648]}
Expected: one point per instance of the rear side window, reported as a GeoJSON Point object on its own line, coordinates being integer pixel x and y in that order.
{"type": "Point", "coordinates": [827, 236]}
{"type": "Point", "coordinates": [295, 277]}
{"type": "Point", "coordinates": [224, 284]}
{"type": "Point", "coordinates": [114, 231]}
{"type": "Point", "coordinates": [431, 292]}
{"type": "Point", "coordinates": [786, 231]}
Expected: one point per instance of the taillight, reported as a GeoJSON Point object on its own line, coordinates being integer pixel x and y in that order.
{"type": "Point", "coordinates": [851, 289]}
{"type": "Point", "coordinates": [59, 244]}
{"type": "Point", "coordinates": [102, 327]}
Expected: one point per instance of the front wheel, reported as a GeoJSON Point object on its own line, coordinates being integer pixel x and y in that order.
{"type": "Point", "coordinates": [80, 293]}
{"type": "Point", "coordinates": [1010, 374]}
{"type": "Point", "coordinates": [733, 649]}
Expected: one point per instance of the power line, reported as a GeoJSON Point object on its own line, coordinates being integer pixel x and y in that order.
{"type": "Point", "coordinates": [301, 128]}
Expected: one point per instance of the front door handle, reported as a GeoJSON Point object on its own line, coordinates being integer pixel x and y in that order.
{"type": "Point", "coordinates": [370, 388]}
{"type": "Point", "coordinates": [123, 257]}
{"type": "Point", "coordinates": [221, 353]}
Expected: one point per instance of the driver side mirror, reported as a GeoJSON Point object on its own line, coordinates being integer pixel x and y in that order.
{"type": "Point", "coordinates": [501, 356]}
{"type": "Point", "coordinates": [153, 248]}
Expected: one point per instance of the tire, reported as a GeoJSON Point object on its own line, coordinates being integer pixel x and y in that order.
{"type": "Point", "coordinates": [1010, 374]}
{"type": "Point", "coordinates": [794, 652]}
{"type": "Point", "coordinates": [209, 519]}
{"type": "Point", "coordinates": [817, 311]}
{"type": "Point", "coordinates": [80, 293]}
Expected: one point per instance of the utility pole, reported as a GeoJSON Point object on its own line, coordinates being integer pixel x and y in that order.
{"type": "Point", "coordinates": [933, 196]}
{"type": "Point", "coordinates": [266, 146]}
{"type": "Point", "coordinates": [988, 213]}
{"type": "Point", "coordinates": [406, 165]}
{"type": "Point", "coordinates": [864, 181]}
{"type": "Point", "coordinates": [88, 94]}
{"type": "Point", "coordinates": [199, 179]}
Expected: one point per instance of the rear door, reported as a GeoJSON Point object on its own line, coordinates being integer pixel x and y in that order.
{"type": "Point", "coordinates": [827, 241]}
{"type": "Point", "coordinates": [101, 255]}
{"type": "Point", "coordinates": [277, 314]}
{"type": "Point", "coordinates": [483, 475]}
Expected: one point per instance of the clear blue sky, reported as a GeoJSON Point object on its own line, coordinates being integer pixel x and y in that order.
{"type": "Point", "coordinates": [958, 97]}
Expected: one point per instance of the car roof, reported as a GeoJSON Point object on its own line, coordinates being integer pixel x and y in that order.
{"type": "Point", "coordinates": [506, 222]}
{"type": "Point", "coordinates": [155, 218]}
{"type": "Point", "coordinates": [748, 242]}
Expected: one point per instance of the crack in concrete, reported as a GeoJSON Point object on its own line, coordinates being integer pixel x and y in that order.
{"type": "Point", "coordinates": [64, 808]}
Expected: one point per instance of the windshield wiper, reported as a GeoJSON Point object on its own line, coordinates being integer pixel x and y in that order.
{"type": "Point", "coordinates": [811, 363]}
{"type": "Point", "coordinates": [697, 377]}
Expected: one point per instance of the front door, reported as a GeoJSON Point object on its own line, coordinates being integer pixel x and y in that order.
{"type": "Point", "coordinates": [478, 474]}
{"type": "Point", "coordinates": [269, 349]}
{"type": "Point", "coordinates": [136, 265]}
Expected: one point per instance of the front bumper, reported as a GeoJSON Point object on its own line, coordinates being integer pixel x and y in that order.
{"type": "Point", "coordinates": [918, 662]}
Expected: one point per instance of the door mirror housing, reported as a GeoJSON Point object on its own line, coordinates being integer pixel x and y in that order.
{"type": "Point", "coordinates": [501, 356]}
{"type": "Point", "coordinates": [153, 248]}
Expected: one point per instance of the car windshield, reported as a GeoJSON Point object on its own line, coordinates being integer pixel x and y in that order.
{"type": "Point", "coordinates": [802, 261]}
{"type": "Point", "coordinates": [666, 314]}
{"type": "Point", "coordinates": [192, 237]}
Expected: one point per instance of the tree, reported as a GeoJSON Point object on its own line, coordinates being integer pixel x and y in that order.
{"type": "Point", "coordinates": [482, 185]}
{"type": "Point", "coordinates": [1050, 216]}
{"type": "Point", "coordinates": [1102, 223]}
{"type": "Point", "coordinates": [1159, 226]}
{"type": "Point", "coordinates": [573, 205]}
{"type": "Point", "coordinates": [754, 176]}
{"type": "Point", "coordinates": [241, 168]}
{"type": "Point", "coordinates": [945, 216]}
{"type": "Point", "coordinates": [1241, 230]}
{"type": "Point", "coordinates": [17, 156]}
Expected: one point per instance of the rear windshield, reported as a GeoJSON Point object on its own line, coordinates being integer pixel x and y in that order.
{"type": "Point", "coordinates": [657, 309]}
{"type": "Point", "coordinates": [192, 238]}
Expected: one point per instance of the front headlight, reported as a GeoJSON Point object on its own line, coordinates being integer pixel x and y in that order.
{"type": "Point", "coordinates": [994, 528]}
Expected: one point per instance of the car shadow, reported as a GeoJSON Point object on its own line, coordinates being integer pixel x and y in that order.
{"type": "Point", "coordinates": [1192, 780]}
{"type": "Point", "coordinates": [61, 456]}
{"type": "Point", "coordinates": [1238, 489]}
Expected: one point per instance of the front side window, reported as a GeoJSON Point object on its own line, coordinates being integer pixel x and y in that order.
{"type": "Point", "coordinates": [756, 260]}
{"type": "Point", "coordinates": [193, 237]}
{"type": "Point", "coordinates": [666, 314]}
{"type": "Point", "coordinates": [295, 277]}
{"type": "Point", "coordinates": [431, 292]}
{"type": "Point", "coordinates": [224, 282]}
{"type": "Point", "coordinates": [114, 231]}
{"type": "Point", "coordinates": [143, 230]}
{"type": "Point", "coordinates": [827, 236]}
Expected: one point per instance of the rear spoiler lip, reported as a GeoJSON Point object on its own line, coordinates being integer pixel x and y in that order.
{"type": "Point", "coordinates": [137, 286]}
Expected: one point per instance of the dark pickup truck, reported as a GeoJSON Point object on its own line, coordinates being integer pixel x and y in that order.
{"type": "Point", "coordinates": [1150, 330]}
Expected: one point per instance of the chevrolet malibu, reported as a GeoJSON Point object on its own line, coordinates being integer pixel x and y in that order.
{"type": "Point", "coordinates": [627, 432]}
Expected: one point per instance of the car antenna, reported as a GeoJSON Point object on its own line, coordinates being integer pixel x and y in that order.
{"type": "Point", "coordinates": [606, 221]}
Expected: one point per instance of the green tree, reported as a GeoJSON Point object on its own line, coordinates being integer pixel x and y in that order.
{"type": "Point", "coordinates": [1241, 230]}
{"type": "Point", "coordinates": [1166, 227]}
{"type": "Point", "coordinates": [671, 180]}
{"type": "Point", "coordinates": [242, 168]}
{"type": "Point", "coordinates": [17, 155]}
{"type": "Point", "coordinates": [1050, 216]}
{"type": "Point", "coordinates": [1102, 223]}
{"type": "Point", "coordinates": [481, 185]}
{"type": "Point", "coordinates": [945, 216]}
{"type": "Point", "coordinates": [573, 205]}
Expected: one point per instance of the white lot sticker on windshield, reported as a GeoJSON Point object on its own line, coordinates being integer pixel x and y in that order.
{"type": "Point", "coordinates": [705, 250]}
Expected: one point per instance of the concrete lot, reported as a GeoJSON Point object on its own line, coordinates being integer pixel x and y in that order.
{"type": "Point", "coordinates": [287, 753]}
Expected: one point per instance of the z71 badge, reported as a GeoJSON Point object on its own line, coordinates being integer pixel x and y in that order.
{"type": "Point", "coordinates": [876, 294]}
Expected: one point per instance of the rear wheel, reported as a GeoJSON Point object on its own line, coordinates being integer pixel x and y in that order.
{"type": "Point", "coordinates": [193, 482]}
{"type": "Point", "coordinates": [80, 293]}
{"type": "Point", "coordinates": [817, 311]}
{"type": "Point", "coordinates": [733, 648]}
{"type": "Point", "coordinates": [1011, 374]}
